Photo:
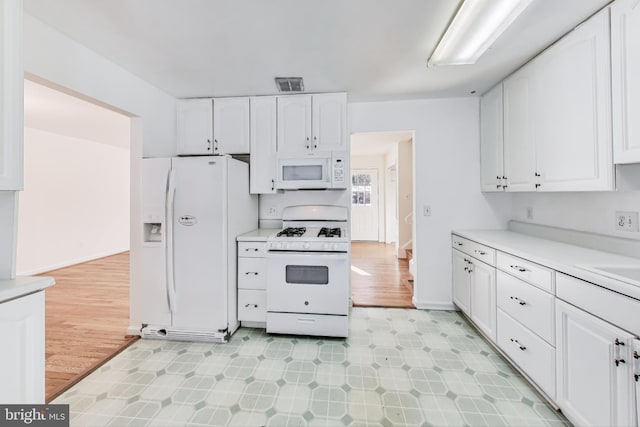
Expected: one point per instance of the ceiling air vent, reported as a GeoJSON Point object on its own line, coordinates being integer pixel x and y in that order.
{"type": "Point", "coordinates": [289, 84]}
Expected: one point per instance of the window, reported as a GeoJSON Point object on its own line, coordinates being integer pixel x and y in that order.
{"type": "Point", "coordinates": [361, 189]}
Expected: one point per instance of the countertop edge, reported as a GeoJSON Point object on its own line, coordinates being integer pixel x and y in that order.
{"type": "Point", "coordinates": [22, 286]}
{"type": "Point", "coordinates": [614, 285]}
{"type": "Point", "coordinates": [259, 234]}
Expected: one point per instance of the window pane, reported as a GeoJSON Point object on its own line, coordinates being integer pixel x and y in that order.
{"type": "Point", "coordinates": [307, 274]}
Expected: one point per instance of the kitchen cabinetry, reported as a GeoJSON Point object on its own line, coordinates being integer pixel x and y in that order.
{"type": "Point", "coordinates": [557, 118]}
{"type": "Point", "coordinates": [474, 283]}
{"type": "Point", "coordinates": [519, 131]}
{"type": "Point", "coordinates": [573, 110]}
{"type": "Point", "coordinates": [252, 281]}
{"type": "Point", "coordinates": [308, 123]}
{"type": "Point", "coordinates": [22, 355]}
{"type": "Point", "coordinates": [263, 145]}
{"type": "Point", "coordinates": [625, 69]}
{"type": "Point", "coordinates": [11, 87]}
{"type": "Point", "coordinates": [491, 140]}
{"type": "Point", "coordinates": [595, 378]}
{"type": "Point", "coordinates": [218, 126]}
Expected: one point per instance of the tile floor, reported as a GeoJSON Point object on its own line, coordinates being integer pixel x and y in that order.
{"type": "Point", "coordinates": [398, 367]}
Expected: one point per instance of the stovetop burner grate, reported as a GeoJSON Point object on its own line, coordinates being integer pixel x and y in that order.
{"type": "Point", "coordinates": [292, 232]}
{"type": "Point", "coordinates": [330, 232]}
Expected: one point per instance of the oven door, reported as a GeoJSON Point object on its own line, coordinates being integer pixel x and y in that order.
{"type": "Point", "coordinates": [308, 282]}
{"type": "Point", "coordinates": [299, 173]}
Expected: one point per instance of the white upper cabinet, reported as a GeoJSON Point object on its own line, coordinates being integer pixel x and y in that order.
{"type": "Point", "coordinates": [263, 145]}
{"type": "Point", "coordinates": [625, 68]}
{"type": "Point", "coordinates": [231, 126]}
{"type": "Point", "coordinates": [294, 123]}
{"type": "Point", "coordinates": [329, 123]}
{"type": "Point", "coordinates": [195, 126]}
{"type": "Point", "coordinates": [12, 105]}
{"type": "Point", "coordinates": [519, 131]}
{"type": "Point", "coordinates": [213, 126]}
{"type": "Point", "coordinates": [308, 123]}
{"type": "Point", "coordinates": [572, 112]}
{"type": "Point", "coordinates": [491, 141]}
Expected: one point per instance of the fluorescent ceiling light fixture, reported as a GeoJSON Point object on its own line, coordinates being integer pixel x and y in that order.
{"type": "Point", "coordinates": [477, 24]}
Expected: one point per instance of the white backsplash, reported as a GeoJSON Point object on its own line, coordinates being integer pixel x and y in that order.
{"type": "Point", "coordinates": [271, 205]}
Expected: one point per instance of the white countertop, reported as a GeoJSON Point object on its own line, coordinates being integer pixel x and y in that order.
{"type": "Point", "coordinates": [258, 235]}
{"type": "Point", "coordinates": [21, 286]}
{"type": "Point", "coordinates": [556, 255]}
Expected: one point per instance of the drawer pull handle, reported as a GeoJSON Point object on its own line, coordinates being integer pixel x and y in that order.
{"type": "Point", "coordinates": [619, 361]}
{"type": "Point", "coordinates": [251, 305]}
{"type": "Point", "coordinates": [636, 355]}
{"type": "Point", "coordinates": [255, 273]}
{"type": "Point", "coordinates": [520, 346]}
{"type": "Point", "coordinates": [480, 252]}
{"type": "Point", "coordinates": [252, 249]}
{"type": "Point", "coordinates": [618, 342]}
{"type": "Point", "coordinates": [457, 243]}
{"type": "Point", "coordinates": [518, 300]}
{"type": "Point", "coordinates": [519, 268]}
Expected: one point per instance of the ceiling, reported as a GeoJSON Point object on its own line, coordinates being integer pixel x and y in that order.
{"type": "Point", "coordinates": [376, 143]}
{"type": "Point", "coordinates": [374, 50]}
{"type": "Point", "coordinates": [52, 111]}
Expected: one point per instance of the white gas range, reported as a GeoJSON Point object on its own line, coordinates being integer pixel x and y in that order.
{"type": "Point", "coordinates": [308, 272]}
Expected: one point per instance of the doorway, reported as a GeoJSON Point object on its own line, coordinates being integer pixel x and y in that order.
{"type": "Point", "coordinates": [381, 227]}
{"type": "Point", "coordinates": [74, 225]}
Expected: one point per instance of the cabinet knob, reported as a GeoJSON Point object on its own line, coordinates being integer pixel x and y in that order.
{"type": "Point", "coordinates": [619, 361]}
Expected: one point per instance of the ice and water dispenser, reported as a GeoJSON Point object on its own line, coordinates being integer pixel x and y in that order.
{"type": "Point", "coordinates": [152, 232]}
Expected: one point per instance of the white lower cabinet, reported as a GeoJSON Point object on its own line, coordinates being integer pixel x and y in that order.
{"type": "Point", "coordinates": [22, 354]}
{"type": "Point", "coordinates": [252, 281]}
{"type": "Point", "coordinates": [595, 379]}
{"type": "Point", "coordinates": [461, 282]}
{"type": "Point", "coordinates": [483, 298]}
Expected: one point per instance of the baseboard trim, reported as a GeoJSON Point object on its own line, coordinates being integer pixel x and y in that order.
{"type": "Point", "coordinates": [71, 262]}
{"type": "Point", "coordinates": [433, 305]}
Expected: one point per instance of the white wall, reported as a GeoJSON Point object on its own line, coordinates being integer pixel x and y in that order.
{"type": "Point", "coordinates": [75, 205]}
{"type": "Point", "coordinates": [377, 163]}
{"type": "Point", "coordinates": [446, 176]}
{"type": "Point", "coordinates": [53, 57]}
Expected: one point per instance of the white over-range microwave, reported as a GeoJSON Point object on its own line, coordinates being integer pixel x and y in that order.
{"type": "Point", "coordinates": [321, 169]}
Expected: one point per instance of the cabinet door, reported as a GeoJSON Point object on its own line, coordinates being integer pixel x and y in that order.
{"type": "Point", "coordinates": [491, 140]}
{"type": "Point", "coordinates": [461, 282]}
{"type": "Point", "coordinates": [195, 126]}
{"type": "Point", "coordinates": [294, 123]}
{"type": "Point", "coordinates": [573, 115]}
{"type": "Point", "coordinates": [231, 125]}
{"type": "Point", "coordinates": [483, 298]}
{"type": "Point", "coordinates": [11, 87]}
{"type": "Point", "coordinates": [625, 68]}
{"type": "Point", "coordinates": [591, 389]}
{"type": "Point", "coordinates": [263, 145]}
{"type": "Point", "coordinates": [329, 123]}
{"type": "Point", "coordinates": [22, 355]}
{"type": "Point", "coordinates": [519, 141]}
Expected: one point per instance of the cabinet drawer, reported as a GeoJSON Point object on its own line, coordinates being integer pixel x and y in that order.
{"type": "Point", "coordinates": [307, 324]}
{"type": "Point", "coordinates": [252, 249]}
{"type": "Point", "coordinates": [474, 249]}
{"type": "Point", "coordinates": [252, 273]}
{"type": "Point", "coordinates": [534, 356]}
{"type": "Point", "coordinates": [528, 271]}
{"type": "Point", "coordinates": [613, 307]}
{"type": "Point", "coordinates": [532, 307]}
{"type": "Point", "coordinates": [252, 306]}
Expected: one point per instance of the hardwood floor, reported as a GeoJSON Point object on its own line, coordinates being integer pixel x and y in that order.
{"type": "Point", "coordinates": [378, 278]}
{"type": "Point", "coordinates": [87, 315]}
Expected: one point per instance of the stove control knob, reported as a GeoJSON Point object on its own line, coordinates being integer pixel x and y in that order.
{"type": "Point", "coordinates": [306, 246]}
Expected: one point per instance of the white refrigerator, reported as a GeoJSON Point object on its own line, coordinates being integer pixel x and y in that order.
{"type": "Point", "coordinates": [193, 208]}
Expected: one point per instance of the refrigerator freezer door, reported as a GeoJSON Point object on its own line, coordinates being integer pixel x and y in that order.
{"type": "Point", "coordinates": [199, 255]}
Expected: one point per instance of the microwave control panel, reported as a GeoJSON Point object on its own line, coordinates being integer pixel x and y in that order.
{"type": "Point", "coordinates": [338, 173]}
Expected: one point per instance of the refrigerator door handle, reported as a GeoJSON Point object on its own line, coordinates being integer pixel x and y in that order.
{"type": "Point", "coordinates": [171, 193]}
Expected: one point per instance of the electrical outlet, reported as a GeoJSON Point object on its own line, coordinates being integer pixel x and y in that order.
{"type": "Point", "coordinates": [426, 210]}
{"type": "Point", "coordinates": [272, 210]}
{"type": "Point", "coordinates": [627, 221]}
{"type": "Point", "coordinates": [529, 212]}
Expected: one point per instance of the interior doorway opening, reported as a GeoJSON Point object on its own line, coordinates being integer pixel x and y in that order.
{"type": "Point", "coordinates": [74, 225]}
{"type": "Point", "coordinates": [382, 218]}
